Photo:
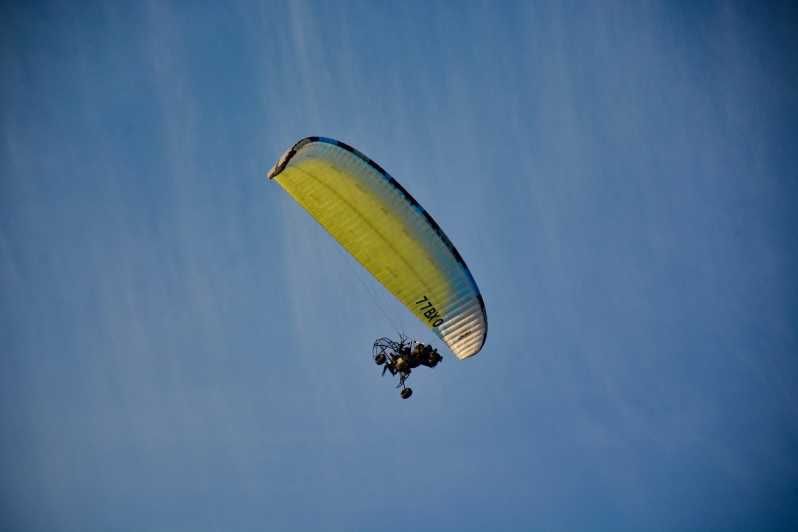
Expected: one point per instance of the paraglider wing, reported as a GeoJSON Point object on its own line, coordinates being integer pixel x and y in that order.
{"type": "Point", "coordinates": [380, 224]}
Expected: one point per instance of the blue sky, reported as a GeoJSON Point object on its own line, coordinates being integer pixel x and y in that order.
{"type": "Point", "coordinates": [183, 348]}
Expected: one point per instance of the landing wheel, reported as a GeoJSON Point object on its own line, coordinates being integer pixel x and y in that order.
{"type": "Point", "coordinates": [406, 393]}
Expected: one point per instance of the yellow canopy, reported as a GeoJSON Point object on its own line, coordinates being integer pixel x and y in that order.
{"type": "Point", "coordinates": [390, 234]}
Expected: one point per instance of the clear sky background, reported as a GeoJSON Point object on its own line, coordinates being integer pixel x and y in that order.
{"type": "Point", "coordinates": [184, 349]}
